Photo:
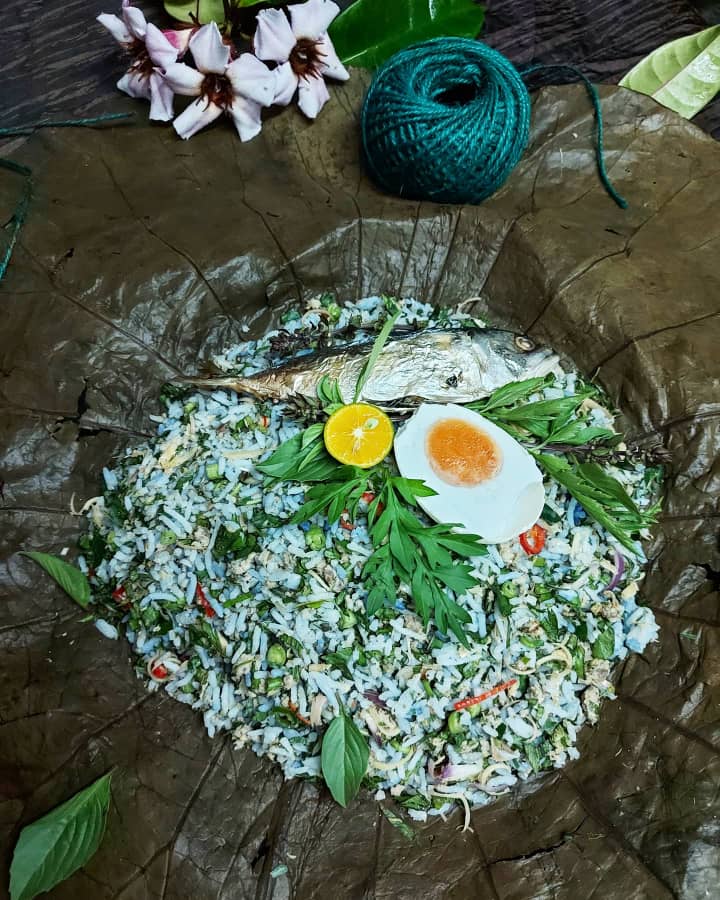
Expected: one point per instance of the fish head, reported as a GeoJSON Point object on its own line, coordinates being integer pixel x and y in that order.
{"type": "Point", "coordinates": [504, 357]}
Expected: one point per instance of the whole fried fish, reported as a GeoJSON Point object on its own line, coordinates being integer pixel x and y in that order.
{"type": "Point", "coordinates": [439, 365]}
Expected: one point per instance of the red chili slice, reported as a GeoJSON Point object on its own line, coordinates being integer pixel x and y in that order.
{"type": "Point", "coordinates": [368, 496]}
{"type": "Point", "coordinates": [119, 595]}
{"type": "Point", "coordinates": [533, 541]}
{"type": "Point", "coordinates": [348, 526]}
{"type": "Point", "coordinates": [203, 601]}
{"type": "Point", "coordinates": [473, 701]}
{"type": "Point", "coordinates": [159, 671]}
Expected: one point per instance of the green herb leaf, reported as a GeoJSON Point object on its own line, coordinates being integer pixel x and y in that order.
{"type": "Point", "coordinates": [344, 758]}
{"type": "Point", "coordinates": [509, 394]}
{"type": "Point", "coordinates": [576, 433]}
{"type": "Point", "coordinates": [604, 644]}
{"type": "Point", "coordinates": [293, 461]}
{"type": "Point", "coordinates": [683, 75]}
{"type": "Point", "coordinates": [49, 850]}
{"type": "Point", "coordinates": [370, 31]}
{"type": "Point", "coordinates": [543, 410]}
{"type": "Point", "coordinates": [70, 578]}
{"type": "Point", "coordinates": [601, 495]}
{"type": "Point", "coordinates": [340, 659]}
{"type": "Point", "coordinates": [395, 820]}
{"type": "Point", "coordinates": [377, 349]}
{"type": "Point", "coordinates": [534, 756]}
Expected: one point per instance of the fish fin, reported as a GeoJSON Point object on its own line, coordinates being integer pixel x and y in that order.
{"type": "Point", "coordinates": [227, 383]}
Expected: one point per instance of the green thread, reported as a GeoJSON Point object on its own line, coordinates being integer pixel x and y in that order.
{"type": "Point", "coordinates": [14, 225]}
{"type": "Point", "coordinates": [449, 119]}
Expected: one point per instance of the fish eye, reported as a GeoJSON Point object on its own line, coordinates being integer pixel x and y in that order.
{"type": "Point", "coordinates": [453, 380]}
{"type": "Point", "coordinates": [524, 343]}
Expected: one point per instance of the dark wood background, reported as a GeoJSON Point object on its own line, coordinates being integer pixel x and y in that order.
{"type": "Point", "coordinates": [56, 62]}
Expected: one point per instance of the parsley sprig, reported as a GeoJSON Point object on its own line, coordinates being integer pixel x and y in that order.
{"type": "Point", "coordinates": [408, 555]}
{"type": "Point", "coordinates": [422, 558]}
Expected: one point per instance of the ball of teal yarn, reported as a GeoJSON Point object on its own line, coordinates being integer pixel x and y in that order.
{"type": "Point", "coordinates": [446, 120]}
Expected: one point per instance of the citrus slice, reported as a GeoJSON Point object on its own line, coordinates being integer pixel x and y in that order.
{"type": "Point", "coordinates": [358, 434]}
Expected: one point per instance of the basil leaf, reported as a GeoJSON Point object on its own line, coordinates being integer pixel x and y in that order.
{"type": "Point", "coordinates": [604, 644]}
{"type": "Point", "coordinates": [683, 75]}
{"type": "Point", "coordinates": [70, 578]}
{"type": "Point", "coordinates": [49, 850]}
{"type": "Point", "coordinates": [370, 31]}
{"type": "Point", "coordinates": [344, 758]}
{"type": "Point", "coordinates": [283, 460]}
{"type": "Point", "coordinates": [309, 435]}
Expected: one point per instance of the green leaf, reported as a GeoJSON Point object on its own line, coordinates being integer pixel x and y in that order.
{"type": "Point", "coordinates": [311, 433]}
{"type": "Point", "coordinates": [595, 474]}
{"type": "Point", "coordinates": [205, 10]}
{"type": "Point", "coordinates": [377, 349]}
{"type": "Point", "coordinates": [604, 644]}
{"type": "Point", "coordinates": [49, 850]}
{"type": "Point", "coordinates": [509, 394]}
{"type": "Point", "coordinates": [543, 410]}
{"type": "Point", "coordinates": [457, 577]}
{"type": "Point", "coordinates": [683, 75]}
{"type": "Point", "coordinates": [370, 31]}
{"type": "Point", "coordinates": [344, 758]}
{"type": "Point", "coordinates": [534, 756]}
{"type": "Point", "coordinates": [70, 578]}
{"type": "Point", "coordinates": [401, 825]}
{"type": "Point", "coordinates": [576, 433]}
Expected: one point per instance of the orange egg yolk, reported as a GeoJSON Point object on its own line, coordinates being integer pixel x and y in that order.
{"type": "Point", "coordinates": [461, 453]}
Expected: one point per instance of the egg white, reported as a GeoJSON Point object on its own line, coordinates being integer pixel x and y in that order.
{"type": "Point", "coordinates": [498, 509]}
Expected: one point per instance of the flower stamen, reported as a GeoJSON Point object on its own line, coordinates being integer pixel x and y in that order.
{"type": "Point", "coordinates": [306, 58]}
{"type": "Point", "coordinates": [217, 89]}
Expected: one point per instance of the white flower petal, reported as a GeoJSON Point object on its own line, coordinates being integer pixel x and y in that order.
{"type": "Point", "coordinates": [312, 96]}
{"type": "Point", "coordinates": [286, 83]}
{"type": "Point", "coordinates": [159, 48]}
{"type": "Point", "coordinates": [135, 21]}
{"type": "Point", "coordinates": [161, 98]}
{"type": "Point", "coordinates": [208, 50]}
{"type": "Point", "coordinates": [135, 85]}
{"type": "Point", "coordinates": [179, 38]}
{"type": "Point", "coordinates": [246, 116]}
{"type": "Point", "coordinates": [274, 38]}
{"type": "Point", "coordinates": [183, 80]}
{"type": "Point", "coordinates": [331, 65]}
{"type": "Point", "coordinates": [311, 19]}
{"type": "Point", "coordinates": [252, 79]}
{"type": "Point", "coordinates": [117, 28]}
{"type": "Point", "coordinates": [199, 114]}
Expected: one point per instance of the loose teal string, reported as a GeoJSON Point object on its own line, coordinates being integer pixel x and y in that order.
{"type": "Point", "coordinates": [17, 220]}
{"type": "Point", "coordinates": [595, 100]}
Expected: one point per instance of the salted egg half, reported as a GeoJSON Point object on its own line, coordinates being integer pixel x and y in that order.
{"type": "Point", "coordinates": [486, 482]}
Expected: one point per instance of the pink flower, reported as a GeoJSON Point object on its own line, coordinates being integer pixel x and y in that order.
{"type": "Point", "coordinates": [303, 51]}
{"type": "Point", "coordinates": [150, 51]}
{"type": "Point", "coordinates": [239, 89]}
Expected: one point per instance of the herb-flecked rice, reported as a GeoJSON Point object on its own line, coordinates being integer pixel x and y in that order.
{"type": "Point", "coordinates": [261, 625]}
